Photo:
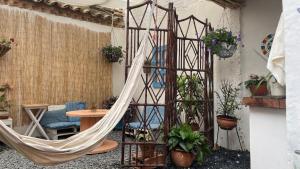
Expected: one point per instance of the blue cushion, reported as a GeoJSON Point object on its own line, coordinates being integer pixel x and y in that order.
{"type": "Point", "coordinates": [71, 106]}
{"type": "Point", "coordinates": [54, 116]}
{"type": "Point", "coordinates": [154, 115]}
{"type": "Point", "coordinates": [62, 125]}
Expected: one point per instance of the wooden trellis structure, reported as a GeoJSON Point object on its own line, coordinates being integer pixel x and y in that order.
{"type": "Point", "coordinates": [176, 50]}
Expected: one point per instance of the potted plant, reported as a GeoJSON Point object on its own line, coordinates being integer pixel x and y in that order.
{"type": "Point", "coordinates": [113, 53]}
{"type": "Point", "coordinates": [147, 67]}
{"type": "Point", "coordinates": [227, 106]}
{"type": "Point", "coordinates": [221, 42]}
{"type": "Point", "coordinates": [5, 46]}
{"type": "Point", "coordinates": [187, 145]}
{"type": "Point", "coordinates": [258, 86]}
{"type": "Point", "coordinates": [147, 149]}
{"type": "Point", "coordinates": [275, 88]}
{"type": "Point", "coordinates": [191, 91]}
{"type": "Point", "coordinates": [4, 104]}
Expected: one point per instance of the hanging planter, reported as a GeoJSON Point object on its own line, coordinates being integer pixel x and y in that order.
{"type": "Point", "coordinates": [221, 42]}
{"type": "Point", "coordinates": [113, 53]}
{"type": "Point", "coordinates": [5, 46]}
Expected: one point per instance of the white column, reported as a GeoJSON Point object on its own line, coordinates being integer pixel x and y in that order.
{"type": "Point", "coordinates": [292, 47]}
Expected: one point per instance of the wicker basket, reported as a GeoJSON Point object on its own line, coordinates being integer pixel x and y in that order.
{"type": "Point", "coordinates": [227, 50]}
{"type": "Point", "coordinates": [3, 50]}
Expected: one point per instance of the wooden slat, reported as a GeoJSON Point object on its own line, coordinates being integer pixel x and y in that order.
{"type": "Point", "coordinates": [52, 63]}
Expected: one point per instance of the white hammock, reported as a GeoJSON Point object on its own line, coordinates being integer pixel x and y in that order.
{"type": "Point", "coordinates": [51, 152]}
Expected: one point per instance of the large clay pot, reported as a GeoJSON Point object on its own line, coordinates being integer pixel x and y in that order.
{"type": "Point", "coordinates": [262, 90]}
{"type": "Point", "coordinates": [226, 122]}
{"type": "Point", "coordinates": [147, 150]}
{"type": "Point", "coordinates": [182, 159]}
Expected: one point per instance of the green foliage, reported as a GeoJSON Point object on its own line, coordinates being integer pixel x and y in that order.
{"type": "Point", "coordinates": [144, 137]}
{"type": "Point", "coordinates": [228, 103]}
{"type": "Point", "coordinates": [214, 39]}
{"type": "Point", "coordinates": [191, 90]}
{"type": "Point", "coordinates": [185, 139]}
{"type": "Point", "coordinates": [113, 53]}
{"type": "Point", "coordinates": [256, 81]}
{"type": "Point", "coordinates": [6, 43]}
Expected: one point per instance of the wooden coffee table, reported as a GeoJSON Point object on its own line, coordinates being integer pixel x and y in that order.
{"type": "Point", "coordinates": [87, 119]}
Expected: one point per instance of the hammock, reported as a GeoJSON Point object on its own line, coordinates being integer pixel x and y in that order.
{"type": "Point", "coordinates": [52, 152]}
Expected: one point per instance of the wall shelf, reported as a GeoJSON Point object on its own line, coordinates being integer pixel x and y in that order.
{"type": "Point", "coordinates": [265, 101]}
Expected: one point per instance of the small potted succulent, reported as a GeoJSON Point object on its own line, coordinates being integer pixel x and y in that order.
{"type": "Point", "coordinates": [147, 67]}
{"type": "Point", "coordinates": [147, 148]}
{"type": "Point", "coordinates": [113, 53]}
{"type": "Point", "coordinates": [5, 46]}
{"type": "Point", "coordinates": [258, 85]}
{"type": "Point", "coordinates": [227, 106]}
{"type": "Point", "coordinates": [187, 145]}
{"type": "Point", "coordinates": [221, 42]}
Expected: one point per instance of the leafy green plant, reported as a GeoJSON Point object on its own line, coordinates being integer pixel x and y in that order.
{"type": "Point", "coordinates": [256, 80]}
{"type": "Point", "coordinates": [6, 43]}
{"type": "Point", "coordinates": [185, 139]}
{"type": "Point", "coordinates": [191, 90]}
{"type": "Point", "coordinates": [215, 40]}
{"type": "Point", "coordinates": [228, 103]}
{"type": "Point", "coordinates": [113, 53]}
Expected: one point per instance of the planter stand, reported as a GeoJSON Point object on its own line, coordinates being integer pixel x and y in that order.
{"type": "Point", "coordinates": [237, 133]}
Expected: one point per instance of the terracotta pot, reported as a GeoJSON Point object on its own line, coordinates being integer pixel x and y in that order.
{"type": "Point", "coordinates": [147, 150]}
{"type": "Point", "coordinates": [226, 122]}
{"type": "Point", "coordinates": [182, 159]}
{"type": "Point", "coordinates": [195, 126]}
{"type": "Point", "coordinates": [262, 90]}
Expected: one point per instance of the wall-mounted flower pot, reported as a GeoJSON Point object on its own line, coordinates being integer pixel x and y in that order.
{"type": "Point", "coordinates": [261, 90]}
{"type": "Point", "coordinates": [182, 159]}
{"type": "Point", "coordinates": [3, 50]}
{"type": "Point", "coordinates": [226, 122]}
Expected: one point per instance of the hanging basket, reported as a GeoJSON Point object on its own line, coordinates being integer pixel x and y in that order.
{"type": "Point", "coordinates": [4, 49]}
{"type": "Point", "coordinates": [226, 50]}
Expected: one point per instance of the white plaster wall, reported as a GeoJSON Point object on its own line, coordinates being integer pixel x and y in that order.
{"type": "Point", "coordinates": [292, 50]}
{"type": "Point", "coordinates": [229, 69]}
{"type": "Point", "coordinates": [257, 19]}
{"type": "Point", "coordinates": [268, 138]}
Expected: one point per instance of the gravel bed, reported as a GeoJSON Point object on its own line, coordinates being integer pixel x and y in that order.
{"type": "Point", "coordinates": [221, 159]}
{"type": "Point", "coordinates": [224, 159]}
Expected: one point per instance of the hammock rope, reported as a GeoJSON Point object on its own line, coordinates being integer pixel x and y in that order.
{"type": "Point", "coordinates": [51, 152]}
